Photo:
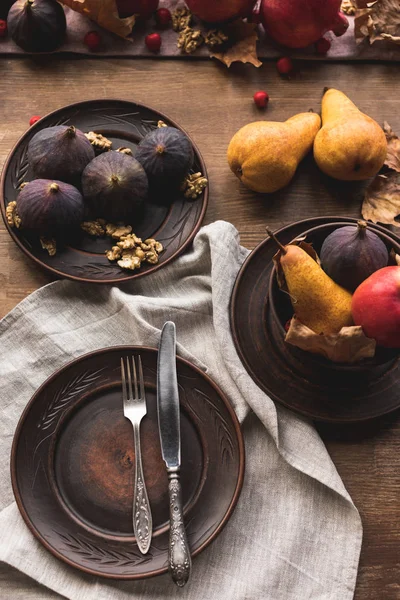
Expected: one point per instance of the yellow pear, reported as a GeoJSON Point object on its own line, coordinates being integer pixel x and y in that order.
{"type": "Point", "coordinates": [264, 155]}
{"type": "Point", "coordinates": [319, 302]}
{"type": "Point", "coordinates": [350, 145]}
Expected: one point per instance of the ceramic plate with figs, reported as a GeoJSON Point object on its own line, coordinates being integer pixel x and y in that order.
{"type": "Point", "coordinates": [152, 179]}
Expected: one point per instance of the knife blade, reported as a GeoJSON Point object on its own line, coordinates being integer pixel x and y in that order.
{"type": "Point", "coordinates": [170, 437]}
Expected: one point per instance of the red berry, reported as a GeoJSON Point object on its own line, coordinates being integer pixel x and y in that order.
{"type": "Point", "coordinates": [34, 120]}
{"type": "Point", "coordinates": [92, 40]}
{"type": "Point", "coordinates": [284, 66]}
{"type": "Point", "coordinates": [3, 28]}
{"type": "Point", "coordinates": [322, 46]}
{"type": "Point", "coordinates": [261, 99]}
{"type": "Point", "coordinates": [163, 17]}
{"type": "Point", "coordinates": [153, 42]}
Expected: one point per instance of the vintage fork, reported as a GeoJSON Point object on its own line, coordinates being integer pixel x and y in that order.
{"type": "Point", "coordinates": [135, 410]}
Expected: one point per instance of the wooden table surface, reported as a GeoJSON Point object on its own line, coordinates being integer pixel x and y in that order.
{"type": "Point", "coordinates": [211, 103]}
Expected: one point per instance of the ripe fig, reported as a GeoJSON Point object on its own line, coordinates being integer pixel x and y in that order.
{"type": "Point", "coordinates": [352, 253]}
{"type": "Point", "coordinates": [166, 155]}
{"type": "Point", "coordinates": [37, 25]}
{"type": "Point", "coordinates": [49, 206]}
{"type": "Point", "coordinates": [61, 152]}
{"type": "Point", "coordinates": [115, 186]}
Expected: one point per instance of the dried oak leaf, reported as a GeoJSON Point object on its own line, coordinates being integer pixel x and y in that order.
{"type": "Point", "coordinates": [348, 346]}
{"type": "Point", "coordinates": [105, 13]}
{"type": "Point", "coordinates": [241, 45]}
{"type": "Point", "coordinates": [393, 152]}
{"type": "Point", "coordinates": [382, 199]}
{"type": "Point", "coordinates": [379, 20]}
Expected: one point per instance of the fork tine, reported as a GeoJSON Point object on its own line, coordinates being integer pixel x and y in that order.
{"type": "Point", "coordinates": [128, 370]}
{"type": "Point", "coordinates": [124, 395]}
{"type": "Point", "coordinates": [141, 380]}
{"type": "Point", "coordinates": [135, 377]}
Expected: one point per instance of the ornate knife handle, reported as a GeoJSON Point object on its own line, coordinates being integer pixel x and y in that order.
{"type": "Point", "coordinates": [180, 562]}
{"type": "Point", "coordinates": [142, 519]}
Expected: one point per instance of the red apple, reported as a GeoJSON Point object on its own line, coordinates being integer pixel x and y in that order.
{"type": "Point", "coordinates": [299, 23]}
{"type": "Point", "coordinates": [218, 11]}
{"type": "Point", "coordinates": [376, 307]}
{"type": "Point", "coordinates": [143, 8]}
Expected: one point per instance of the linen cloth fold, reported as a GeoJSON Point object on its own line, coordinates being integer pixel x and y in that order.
{"type": "Point", "coordinates": [295, 534]}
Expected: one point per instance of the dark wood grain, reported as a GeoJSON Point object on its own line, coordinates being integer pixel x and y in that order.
{"type": "Point", "coordinates": [211, 103]}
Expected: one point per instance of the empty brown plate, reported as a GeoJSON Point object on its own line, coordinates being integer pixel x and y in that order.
{"type": "Point", "coordinates": [173, 223]}
{"type": "Point", "coordinates": [301, 381]}
{"type": "Point", "coordinates": [73, 455]}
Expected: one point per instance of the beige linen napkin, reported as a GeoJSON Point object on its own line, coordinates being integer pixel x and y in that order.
{"type": "Point", "coordinates": [295, 534]}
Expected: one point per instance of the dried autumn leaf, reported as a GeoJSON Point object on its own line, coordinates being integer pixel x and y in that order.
{"type": "Point", "coordinates": [105, 13]}
{"type": "Point", "coordinates": [382, 199]}
{"type": "Point", "coordinates": [393, 152]}
{"type": "Point", "coordinates": [350, 345]}
{"type": "Point", "coordinates": [242, 44]}
{"type": "Point", "coordinates": [379, 20]}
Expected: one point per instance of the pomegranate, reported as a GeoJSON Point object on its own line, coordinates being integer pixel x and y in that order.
{"type": "Point", "coordinates": [142, 8]}
{"type": "Point", "coordinates": [218, 11]}
{"type": "Point", "coordinates": [299, 23]}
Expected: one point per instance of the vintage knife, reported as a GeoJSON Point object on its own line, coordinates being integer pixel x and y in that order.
{"type": "Point", "coordinates": [180, 561]}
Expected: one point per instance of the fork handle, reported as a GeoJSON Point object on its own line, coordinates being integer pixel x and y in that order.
{"type": "Point", "coordinates": [142, 519]}
{"type": "Point", "coordinates": [180, 562]}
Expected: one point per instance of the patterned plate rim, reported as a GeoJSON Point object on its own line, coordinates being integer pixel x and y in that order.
{"type": "Point", "coordinates": [60, 274]}
{"type": "Point", "coordinates": [42, 387]}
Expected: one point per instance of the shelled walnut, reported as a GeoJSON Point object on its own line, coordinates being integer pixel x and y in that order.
{"type": "Point", "coordinates": [193, 185]}
{"type": "Point", "coordinates": [190, 39]}
{"type": "Point", "coordinates": [181, 18]}
{"type": "Point", "coordinates": [215, 37]}
{"type": "Point", "coordinates": [95, 228]}
{"type": "Point", "coordinates": [126, 151]}
{"type": "Point", "coordinates": [49, 244]}
{"type": "Point", "coordinates": [130, 251]}
{"type": "Point", "coordinates": [98, 141]}
{"type": "Point", "coordinates": [13, 219]}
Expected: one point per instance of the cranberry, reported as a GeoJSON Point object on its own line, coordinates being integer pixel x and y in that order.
{"type": "Point", "coordinates": [3, 28]}
{"type": "Point", "coordinates": [284, 66]}
{"type": "Point", "coordinates": [34, 120]}
{"type": "Point", "coordinates": [153, 42]}
{"type": "Point", "coordinates": [261, 99]}
{"type": "Point", "coordinates": [92, 40]}
{"type": "Point", "coordinates": [163, 17]}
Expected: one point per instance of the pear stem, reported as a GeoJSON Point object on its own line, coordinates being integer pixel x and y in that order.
{"type": "Point", "coordinates": [273, 236]}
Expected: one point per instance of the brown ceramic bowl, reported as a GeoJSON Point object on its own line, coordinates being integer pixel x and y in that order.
{"type": "Point", "coordinates": [282, 311]}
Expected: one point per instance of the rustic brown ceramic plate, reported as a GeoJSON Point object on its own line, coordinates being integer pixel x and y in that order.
{"type": "Point", "coordinates": [73, 455]}
{"type": "Point", "coordinates": [173, 223]}
{"type": "Point", "coordinates": [293, 377]}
